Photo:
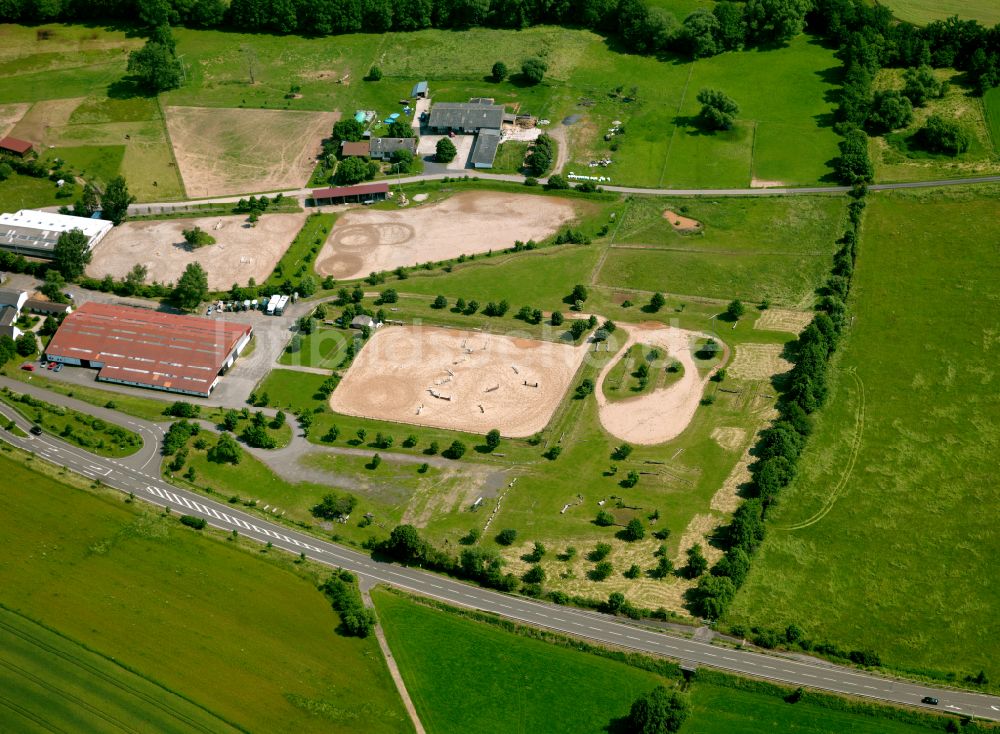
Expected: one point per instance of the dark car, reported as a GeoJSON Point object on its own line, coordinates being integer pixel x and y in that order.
{"type": "Point", "coordinates": [930, 700]}
{"type": "Point", "coordinates": [36, 430]}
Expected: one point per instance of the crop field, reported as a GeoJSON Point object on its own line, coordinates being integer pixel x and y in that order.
{"type": "Point", "coordinates": [924, 11]}
{"type": "Point", "coordinates": [160, 600]}
{"type": "Point", "coordinates": [881, 542]}
{"type": "Point", "coordinates": [572, 690]}
{"type": "Point", "coordinates": [777, 248]}
{"type": "Point", "coordinates": [898, 158]}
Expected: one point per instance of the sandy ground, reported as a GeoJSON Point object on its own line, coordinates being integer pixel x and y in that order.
{"type": "Point", "coordinates": [369, 240]}
{"type": "Point", "coordinates": [776, 319]}
{"type": "Point", "coordinates": [235, 151]}
{"type": "Point", "coordinates": [664, 413]}
{"type": "Point", "coordinates": [479, 380]}
{"type": "Point", "coordinates": [239, 253]}
{"type": "Point", "coordinates": [758, 362]}
{"type": "Point", "coordinates": [10, 115]}
{"type": "Point", "coordinates": [760, 183]}
{"type": "Point", "coordinates": [681, 224]}
{"type": "Point", "coordinates": [43, 122]}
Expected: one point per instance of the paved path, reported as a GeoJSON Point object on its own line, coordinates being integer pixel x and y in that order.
{"type": "Point", "coordinates": [303, 194]}
{"type": "Point", "coordinates": [131, 475]}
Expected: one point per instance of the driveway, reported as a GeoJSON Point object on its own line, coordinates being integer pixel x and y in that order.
{"type": "Point", "coordinates": [427, 148]}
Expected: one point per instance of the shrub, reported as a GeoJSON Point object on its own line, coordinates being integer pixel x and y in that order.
{"type": "Point", "coordinates": [445, 151]}
{"type": "Point", "coordinates": [225, 451]}
{"type": "Point", "coordinates": [604, 519]}
{"type": "Point", "coordinates": [455, 451]}
{"type": "Point", "coordinates": [634, 530]}
{"type": "Point", "coordinates": [499, 71]}
{"type": "Point", "coordinates": [601, 571]}
{"type": "Point", "coordinates": [198, 523]}
{"type": "Point", "coordinates": [374, 74]}
{"type": "Point", "coordinates": [941, 135]}
{"type": "Point", "coordinates": [506, 536]}
{"type": "Point", "coordinates": [533, 70]}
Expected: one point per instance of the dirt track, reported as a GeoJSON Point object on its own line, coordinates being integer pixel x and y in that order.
{"type": "Point", "coordinates": [235, 151]}
{"type": "Point", "coordinates": [460, 380]}
{"type": "Point", "coordinates": [240, 252]}
{"type": "Point", "coordinates": [367, 240]}
{"type": "Point", "coordinates": [662, 414]}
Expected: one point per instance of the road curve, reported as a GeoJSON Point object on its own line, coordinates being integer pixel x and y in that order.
{"type": "Point", "coordinates": [135, 474]}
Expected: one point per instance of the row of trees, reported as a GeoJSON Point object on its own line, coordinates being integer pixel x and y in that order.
{"type": "Point", "coordinates": [802, 393]}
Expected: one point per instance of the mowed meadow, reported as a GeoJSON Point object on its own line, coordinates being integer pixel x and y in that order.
{"type": "Point", "coordinates": [887, 539]}
{"type": "Point", "coordinates": [151, 622]}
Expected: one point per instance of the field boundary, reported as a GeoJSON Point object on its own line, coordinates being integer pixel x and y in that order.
{"type": "Point", "coordinates": [170, 146]}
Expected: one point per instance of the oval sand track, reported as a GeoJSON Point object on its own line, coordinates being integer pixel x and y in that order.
{"type": "Point", "coordinates": [373, 240]}
{"type": "Point", "coordinates": [662, 414]}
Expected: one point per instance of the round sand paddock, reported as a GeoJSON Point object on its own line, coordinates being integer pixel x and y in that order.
{"type": "Point", "coordinates": [662, 414]}
{"type": "Point", "coordinates": [240, 252]}
{"type": "Point", "coordinates": [372, 240]}
{"type": "Point", "coordinates": [461, 380]}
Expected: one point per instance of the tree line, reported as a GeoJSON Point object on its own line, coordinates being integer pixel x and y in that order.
{"type": "Point", "coordinates": [802, 392]}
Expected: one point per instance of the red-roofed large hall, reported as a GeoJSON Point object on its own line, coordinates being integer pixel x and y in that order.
{"type": "Point", "coordinates": [134, 346]}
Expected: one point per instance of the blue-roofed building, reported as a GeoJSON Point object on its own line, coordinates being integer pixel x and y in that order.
{"type": "Point", "coordinates": [420, 89]}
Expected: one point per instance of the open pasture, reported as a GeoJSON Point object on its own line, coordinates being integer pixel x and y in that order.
{"type": "Point", "coordinates": [241, 251]}
{"type": "Point", "coordinates": [462, 380]}
{"type": "Point", "coordinates": [373, 240]}
{"type": "Point", "coordinates": [238, 151]}
{"type": "Point", "coordinates": [883, 540]}
{"type": "Point", "coordinates": [922, 12]}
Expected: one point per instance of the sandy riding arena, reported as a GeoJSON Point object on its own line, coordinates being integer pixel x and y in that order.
{"type": "Point", "coordinates": [365, 241]}
{"type": "Point", "coordinates": [664, 413]}
{"type": "Point", "coordinates": [236, 151]}
{"type": "Point", "coordinates": [240, 252]}
{"type": "Point", "coordinates": [461, 380]}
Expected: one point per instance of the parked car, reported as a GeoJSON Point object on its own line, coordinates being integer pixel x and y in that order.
{"type": "Point", "coordinates": [209, 311]}
{"type": "Point", "coordinates": [59, 366]}
{"type": "Point", "coordinates": [51, 365]}
{"type": "Point", "coordinates": [930, 700]}
{"type": "Point", "coordinates": [42, 361]}
{"type": "Point", "coordinates": [28, 367]}
{"type": "Point", "coordinates": [36, 430]}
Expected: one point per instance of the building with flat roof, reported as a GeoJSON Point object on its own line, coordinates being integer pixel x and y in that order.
{"type": "Point", "coordinates": [15, 146]}
{"type": "Point", "coordinates": [484, 151]}
{"type": "Point", "coordinates": [351, 194]}
{"type": "Point", "coordinates": [382, 148]}
{"type": "Point", "coordinates": [34, 233]}
{"type": "Point", "coordinates": [465, 117]}
{"type": "Point", "coordinates": [135, 346]}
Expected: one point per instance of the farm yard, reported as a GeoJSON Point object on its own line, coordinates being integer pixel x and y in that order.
{"type": "Point", "coordinates": [241, 251]}
{"type": "Point", "coordinates": [461, 380]}
{"type": "Point", "coordinates": [366, 241]}
{"type": "Point", "coordinates": [880, 540]}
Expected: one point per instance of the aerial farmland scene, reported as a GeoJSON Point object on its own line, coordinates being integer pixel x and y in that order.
{"type": "Point", "coordinates": [477, 366]}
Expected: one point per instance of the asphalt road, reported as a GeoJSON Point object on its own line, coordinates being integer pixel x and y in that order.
{"type": "Point", "coordinates": [138, 474]}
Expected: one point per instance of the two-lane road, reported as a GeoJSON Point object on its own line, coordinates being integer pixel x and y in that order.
{"type": "Point", "coordinates": [139, 475]}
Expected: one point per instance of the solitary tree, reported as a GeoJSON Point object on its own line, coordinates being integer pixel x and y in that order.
{"type": "Point", "coordinates": [116, 200]}
{"type": "Point", "coordinates": [533, 70]}
{"type": "Point", "coordinates": [657, 302]}
{"type": "Point", "coordinates": [658, 712]}
{"type": "Point", "coordinates": [374, 74]}
{"type": "Point", "coordinates": [499, 71]}
{"type": "Point", "coordinates": [445, 151]}
{"type": "Point", "coordinates": [225, 451]}
{"type": "Point", "coordinates": [718, 111]}
{"type": "Point", "coordinates": [155, 67]}
{"type": "Point", "coordinates": [634, 530]}
{"type": "Point", "coordinates": [71, 253]}
{"type": "Point", "coordinates": [735, 310]}
{"type": "Point", "coordinates": [192, 287]}
{"type": "Point", "coordinates": [440, 302]}
{"type": "Point", "coordinates": [493, 439]}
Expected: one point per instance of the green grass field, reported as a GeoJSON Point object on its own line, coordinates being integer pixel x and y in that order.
{"type": "Point", "coordinates": [748, 248]}
{"type": "Point", "coordinates": [924, 11]}
{"type": "Point", "coordinates": [163, 601]}
{"type": "Point", "coordinates": [991, 103]}
{"type": "Point", "coordinates": [325, 348]}
{"type": "Point", "coordinates": [290, 389]}
{"type": "Point", "coordinates": [885, 541]}
{"type": "Point", "coordinates": [465, 676]}
{"type": "Point", "coordinates": [512, 683]}
{"type": "Point", "coordinates": [50, 681]}
{"type": "Point", "coordinates": [297, 258]}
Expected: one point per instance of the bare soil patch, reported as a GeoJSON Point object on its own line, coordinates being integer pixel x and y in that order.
{"type": "Point", "coordinates": [682, 224]}
{"type": "Point", "coordinates": [758, 362]}
{"type": "Point", "coordinates": [776, 319]}
{"type": "Point", "coordinates": [760, 183]}
{"type": "Point", "coordinates": [459, 380]}
{"type": "Point", "coordinates": [372, 240]}
{"type": "Point", "coordinates": [730, 439]}
{"type": "Point", "coordinates": [240, 252]}
{"type": "Point", "coordinates": [663, 414]}
{"type": "Point", "coordinates": [10, 115]}
{"type": "Point", "coordinates": [235, 151]}
{"type": "Point", "coordinates": [43, 123]}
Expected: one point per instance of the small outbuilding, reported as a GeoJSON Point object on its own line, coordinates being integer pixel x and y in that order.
{"type": "Point", "coordinates": [362, 322]}
{"type": "Point", "coordinates": [420, 90]}
{"type": "Point", "coordinates": [15, 146]}
{"type": "Point", "coordinates": [362, 194]}
{"type": "Point", "coordinates": [484, 152]}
